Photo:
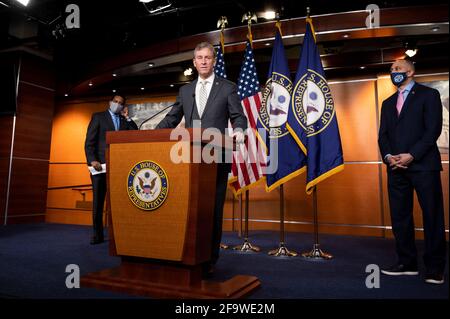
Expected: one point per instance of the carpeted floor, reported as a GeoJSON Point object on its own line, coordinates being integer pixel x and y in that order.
{"type": "Point", "coordinates": [33, 259]}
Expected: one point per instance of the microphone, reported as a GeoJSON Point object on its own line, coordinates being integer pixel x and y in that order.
{"type": "Point", "coordinates": [156, 114]}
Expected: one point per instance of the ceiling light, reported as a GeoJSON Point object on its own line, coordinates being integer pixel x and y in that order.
{"type": "Point", "coordinates": [114, 74]}
{"type": "Point", "coordinates": [172, 85]}
{"type": "Point", "coordinates": [410, 49]}
{"type": "Point", "coordinates": [90, 84]}
{"type": "Point", "coordinates": [142, 89]}
{"type": "Point", "coordinates": [345, 35]}
{"type": "Point", "coordinates": [114, 90]}
{"type": "Point", "coordinates": [151, 64]}
{"type": "Point", "coordinates": [267, 44]}
{"type": "Point", "coordinates": [411, 52]}
{"type": "Point", "coordinates": [145, 1]}
{"type": "Point", "coordinates": [23, 2]}
{"type": "Point", "coordinates": [188, 72]}
{"type": "Point", "coordinates": [362, 67]}
{"type": "Point", "coordinates": [269, 15]}
{"type": "Point", "coordinates": [435, 29]}
{"type": "Point", "coordinates": [66, 95]}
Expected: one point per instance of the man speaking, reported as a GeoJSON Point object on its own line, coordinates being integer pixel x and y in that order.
{"type": "Point", "coordinates": [213, 101]}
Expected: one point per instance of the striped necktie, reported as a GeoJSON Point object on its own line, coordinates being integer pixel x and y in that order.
{"type": "Point", "coordinates": [203, 97]}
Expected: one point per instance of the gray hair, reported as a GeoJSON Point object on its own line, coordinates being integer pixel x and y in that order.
{"type": "Point", "coordinates": [203, 45]}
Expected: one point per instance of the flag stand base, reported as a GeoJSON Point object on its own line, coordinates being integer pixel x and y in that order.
{"type": "Point", "coordinates": [247, 247]}
{"type": "Point", "coordinates": [317, 253]}
{"type": "Point", "coordinates": [282, 251]}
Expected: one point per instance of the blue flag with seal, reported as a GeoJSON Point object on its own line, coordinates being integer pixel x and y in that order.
{"type": "Point", "coordinates": [312, 117]}
{"type": "Point", "coordinates": [285, 160]}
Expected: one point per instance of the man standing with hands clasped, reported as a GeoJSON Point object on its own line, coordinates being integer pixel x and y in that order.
{"type": "Point", "coordinates": [411, 122]}
{"type": "Point", "coordinates": [94, 147]}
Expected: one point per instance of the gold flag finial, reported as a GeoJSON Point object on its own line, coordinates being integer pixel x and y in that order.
{"type": "Point", "coordinates": [222, 22]}
{"type": "Point", "coordinates": [250, 17]}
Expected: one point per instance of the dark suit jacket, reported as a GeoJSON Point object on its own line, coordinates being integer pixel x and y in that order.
{"type": "Point", "coordinates": [95, 143]}
{"type": "Point", "coordinates": [416, 130]}
{"type": "Point", "coordinates": [223, 104]}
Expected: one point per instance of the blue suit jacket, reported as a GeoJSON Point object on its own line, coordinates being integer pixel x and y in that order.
{"type": "Point", "coordinates": [415, 130]}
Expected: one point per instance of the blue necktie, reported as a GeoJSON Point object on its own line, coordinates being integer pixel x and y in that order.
{"type": "Point", "coordinates": [116, 122]}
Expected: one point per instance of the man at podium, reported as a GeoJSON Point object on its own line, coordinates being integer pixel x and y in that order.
{"type": "Point", "coordinates": [213, 101]}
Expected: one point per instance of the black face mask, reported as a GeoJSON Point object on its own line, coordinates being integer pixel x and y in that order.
{"type": "Point", "coordinates": [398, 78]}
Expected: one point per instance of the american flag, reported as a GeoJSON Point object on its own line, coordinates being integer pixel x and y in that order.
{"type": "Point", "coordinates": [249, 160]}
{"type": "Point", "coordinates": [219, 68]}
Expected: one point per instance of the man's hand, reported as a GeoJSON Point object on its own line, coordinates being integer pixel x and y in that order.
{"type": "Point", "coordinates": [404, 160]}
{"type": "Point", "coordinates": [239, 136]}
{"type": "Point", "coordinates": [400, 160]}
{"type": "Point", "coordinates": [96, 165]}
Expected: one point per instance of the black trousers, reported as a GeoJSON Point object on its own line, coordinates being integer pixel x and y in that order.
{"type": "Point", "coordinates": [99, 194]}
{"type": "Point", "coordinates": [427, 184]}
{"type": "Point", "coordinates": [221, 189]}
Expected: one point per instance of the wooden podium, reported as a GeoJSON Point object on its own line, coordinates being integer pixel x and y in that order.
{"type": "Point", "coordinates": [160, 218]}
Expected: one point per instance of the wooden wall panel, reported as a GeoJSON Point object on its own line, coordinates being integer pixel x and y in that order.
{"type": "Point", "coordinates": [29, 174]}
{"type": "Point", "coordinates": [28, 190]}
{"type": "Point", "coordinates": [34, 122]}
{"type": "Point", "coordinates": [4, 164]}
{"type": "Point", "coordinates": [60, 174]}
{"type": "Point", "coordinates": [351, 197]}
{"type": "Point", "coordinates": [6, 127]}
{"type": "Point", "coordinates": [356, 113]}
{"type": "Point", "coordinates": [37, 71]}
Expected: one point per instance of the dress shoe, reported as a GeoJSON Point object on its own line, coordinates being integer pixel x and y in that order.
{"type": "Point", "coordinates": [96, 240]}
{"type": "Point", "coordinates": [434, 278]}
{"type": "Point", "coordinates": [399, 269]}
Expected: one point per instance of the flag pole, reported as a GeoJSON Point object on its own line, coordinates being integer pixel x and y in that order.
{"type": "Point", "coordinates": [282, 249]}
{"type": "Point", "coordinates": [246, 246]}
{"type": "Point", "coordinates": [316, 252]}
{"type": "Point", "coordinates": [240, 215]}
{"type": "Point", "coordinates": [222, 22]}
{"type": "Point", "coordinates": [233, 229]}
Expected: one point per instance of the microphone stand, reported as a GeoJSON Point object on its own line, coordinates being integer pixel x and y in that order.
{"type": "Point", "coordinates": [156, 114]}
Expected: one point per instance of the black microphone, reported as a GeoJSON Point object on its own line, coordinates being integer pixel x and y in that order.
{"type": "Point", "coordinates": [154, 115]}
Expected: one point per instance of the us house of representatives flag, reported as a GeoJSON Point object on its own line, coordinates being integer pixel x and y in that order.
{"type": "Point", "coordinates": [285, 160]}
{"type": "Point", "coordinates": [312, 117]}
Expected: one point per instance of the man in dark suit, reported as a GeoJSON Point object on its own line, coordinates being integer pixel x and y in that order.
{"type": "Point", "coordinates": [212, 101]}
{"type": "Point", "coordinates": [94, 147]}
{"type": "Point", "coordinates": [411, 122]}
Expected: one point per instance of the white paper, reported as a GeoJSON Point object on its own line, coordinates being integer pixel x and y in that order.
{"type": "Point", "coordinates": [95, 172]}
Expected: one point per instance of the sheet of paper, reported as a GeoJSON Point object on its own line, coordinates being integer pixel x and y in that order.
{"type": "Point", "coordinates": [93, 171]}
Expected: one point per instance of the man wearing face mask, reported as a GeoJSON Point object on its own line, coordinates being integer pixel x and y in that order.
{"type": "Point", "coordinates": [95, 144]}
{"type": "Point", "coordinates": [411, 122]}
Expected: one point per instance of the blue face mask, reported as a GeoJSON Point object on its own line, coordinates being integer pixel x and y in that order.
{"type": "Point", "coordinates": [398, 78]}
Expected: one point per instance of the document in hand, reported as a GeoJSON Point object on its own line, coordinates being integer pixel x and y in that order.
{"type": "Point", "coordinates": [93, 171]}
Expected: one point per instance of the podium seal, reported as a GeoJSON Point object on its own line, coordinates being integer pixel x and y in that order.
{"type": "Point", "coordinates": [147, 185]}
